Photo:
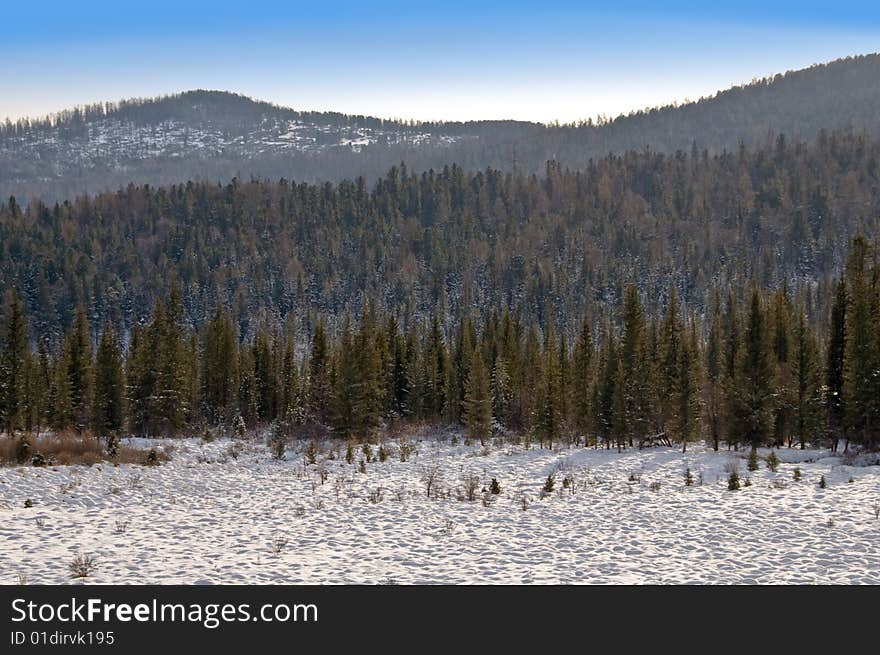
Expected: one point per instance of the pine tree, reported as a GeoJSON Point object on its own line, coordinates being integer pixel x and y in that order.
{"type": "Point", "coordinates": [548, 411]}
{"type": "Point", "coordinates": [670, 347]}
{"type": "Point", "coordinates": [218, 372]}
{"type": "Point", "coordinates": [752, 394]}
{"type": "Point", "coordinates": [13, 365]}
{"type": "Point", "coordinates": [582, 379]}
{"type": "Point", "coordinates": [834, 365]}
{"type": "Point", "coordinates": [714, 381]}
{"type": "Point", "coordinates": [264, 387]}
{"type": "Point", "coordinates": [477, 413]}
{"type": "Point", "coordinates": [806, 376]}
{"type": "Point", "coordinates": [319, 376]}
{"type": "Point", "coordinates": [781, 338]}
{"type": "Point", "coordinates": [502, 391]}
{"type": "Point", "coordinates": [687, 415]}
{"type": "Point", "coordinates": [78, 363]}
{"type": "Point", "coordinates": [108, 412]}
{"type": "Point", "coordinates": [636, 377]}
{"type": "Point", "coordinates": [862, 354]}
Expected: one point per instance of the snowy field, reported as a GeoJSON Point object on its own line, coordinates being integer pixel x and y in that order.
{"type": "Point", "coordinates": [209, 517]}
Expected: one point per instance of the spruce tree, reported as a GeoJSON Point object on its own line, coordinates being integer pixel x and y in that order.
{"type": "Point", "coordinates": [753, 391]}
{"type": "Point", "coordinates": [108, 412]}
{"type": "Point", "coordinates": [319, 376]}
{"type": "Point", "coordinates": [687, 415]}
{"type": "Point", "coordinates": [862, 353]}
{"type": "Point", "coordinates": [477, 413]}
{"type": "Point", "coordinates": [834, 365]}
{"type": "Point", "coordinates": [713, 380]}
{"type": "Point", "coordinates": [13, 365]}
{"type": "Point", "coordinates": [636, 378]}
{"type": "Point", "coordinates": [806, 377]}
{"type": "Point", "coordinates": [79, 373]}
{"type": "Point", "coordinates": [582, 378]}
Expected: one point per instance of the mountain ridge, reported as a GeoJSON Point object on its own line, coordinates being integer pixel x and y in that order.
{"type": "Point", "coordinates": [214, 135]}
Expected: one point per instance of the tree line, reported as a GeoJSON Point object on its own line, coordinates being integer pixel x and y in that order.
{"type": "Point", "coordinates": [748, 372]}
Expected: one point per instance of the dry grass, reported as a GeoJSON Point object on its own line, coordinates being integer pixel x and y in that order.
{"type": "Point", "coordinates": [67, 448]}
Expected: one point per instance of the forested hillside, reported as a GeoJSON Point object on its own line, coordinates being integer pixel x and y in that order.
{"type": "Point", "coordinates": [752, 372]}
{"type": "Point", "coordinates": [215, 136]}
{"type": "Point", "coordinates": [456, 243]}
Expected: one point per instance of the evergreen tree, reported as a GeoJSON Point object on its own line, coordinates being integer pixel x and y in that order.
{"type": "Point", "coordinates": [636, 377]}
{"type": "Point", "coordinates": [78, 370]}
{"type": "Point", "coordinates": [13, 365]}
{"type": "Point", "coordinates": [669, 369]}
{"type": "Point", "coordinates": [319, 376]}
{"type": "Point", "coordinates": [582, 379]}
{"type": "Point", "coordinates": [752, 395]}
{"type": "Point", "coordinates": [834, 365]}
{"type": "Point", "coordinates": [862, 354]}
{"type": "Point", "coordinates": [477, 414]}
{"type": "Point", "coordinates": [108, 413]}
{"type": "Point", "coordinates": [687, 415]}
{"type": "Point", "coordinates": [714, 373]}
{"type": "Point", "coordinates": [806, 375]}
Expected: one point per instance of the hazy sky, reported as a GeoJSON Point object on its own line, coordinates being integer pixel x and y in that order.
{"type": "Point", "coordinates": [447, 59]}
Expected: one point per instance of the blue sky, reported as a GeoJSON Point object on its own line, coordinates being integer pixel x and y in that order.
{"type": "Point", "coordinates": [448, 60]}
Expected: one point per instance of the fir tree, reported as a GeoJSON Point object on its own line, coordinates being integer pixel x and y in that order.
{"type": "Point", "coordinates": [13, 365]}
{"type": "Point", "coordinates": [477, 413]}
{"type": "Point", "coordinates": [78, 370]}
{"type": "Point", "coordinates": [109, 385]}
{"type": "Point", "coordinates": [862, 354]}
{"type": "Point", "coordinates": [752, 394]}
{"type": "Point", "coordinates": [806, 376]}
{"type": "Point", "coordinates": [834, 365]}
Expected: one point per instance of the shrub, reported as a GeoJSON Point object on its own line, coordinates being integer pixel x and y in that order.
{"type": "Point", "coordinates": [654, 486]}
{"type": "Point", "coordinates": [312, 453]}
{"type": "Point", "coordinates": [368, 453]}
{"type": "Point", "coordinates": [349, 454]}
{"type": "Point", "coordinates": [733, 481]}
{"type": "Point", "coordinates": [234, 450]}
{"type": "Point", "coordinates": [152, 457]}
{"type": "Point", "coordinates": [28, 502]}
{"type": "Point", "coordinates": [362, 466]}
{"type": "Point", "coordinates": [376, 495]}
{"type": "Point", "coordinates": [122, 525]}
{"type": "Point", "coordinates": [82, 566]}
{"type": "Point", "coordinates": [238, 427]}
{"type": "Point", "coordinates": [772, 461]}
{"type": "Point", "coordinates": [797, 474]}
{"type": "Point", "coordinates": [112, 445]}
{"type": "Point", "coordinates": [23, 450]}
{"type": "Point", "coordinates": [688, 478]}
{"type": "Point", "coordinates": [383, 454]}
{"type": "Point", "coordinates": [39, 460]}
{"type": "Point", "coordinates": [748, 482]}
{"type": "Point", "coordinates": [471, 485]}
{"type": "Point", "coordinates": [67, 447]}
{"type": "Point", "coordinates": [278, 445]}
{"type": "Point", "coordinates": [549, 484]}
{"type": "Point", "coordinates": [822, 483]}
{"type": "Point", "coordinates": [405, 449]}
{"type": "Point", "coordinates": [753, 460]}
{"type": "Point", "coordinates": [278, 543]}
{"type": "Point", "coordinates": [876, 509]}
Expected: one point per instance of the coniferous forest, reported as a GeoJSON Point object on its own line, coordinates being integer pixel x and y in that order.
{"type": "Point", "coordinates": [751, 370]}
{"type": "Point", "coordinates": [300, 340]}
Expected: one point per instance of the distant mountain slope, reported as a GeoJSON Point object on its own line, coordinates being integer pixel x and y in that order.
{"type": "Point", "coordinates": [212, 135]}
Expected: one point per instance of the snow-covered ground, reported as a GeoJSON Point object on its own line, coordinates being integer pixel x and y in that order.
{"type": "Point", "coordinates": [207, 517]}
